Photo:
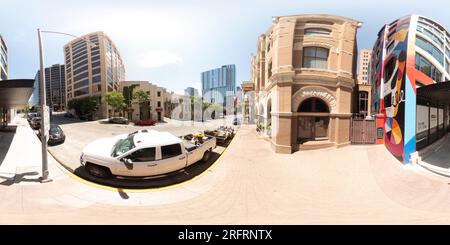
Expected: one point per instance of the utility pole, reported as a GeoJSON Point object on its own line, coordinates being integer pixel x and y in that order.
{"type": "Point", "coordinates": [44, 112]}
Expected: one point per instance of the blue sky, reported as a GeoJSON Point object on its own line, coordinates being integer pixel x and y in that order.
{"type": "Point", "coordinates": [171, 42]}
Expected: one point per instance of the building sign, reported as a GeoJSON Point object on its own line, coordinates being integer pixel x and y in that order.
{"type": "Point", "coordinates": [421, 118]}
{"type": "Point", "coordinates": [380, 133]}
{"type": "Point", "coordinates": [319, 93]}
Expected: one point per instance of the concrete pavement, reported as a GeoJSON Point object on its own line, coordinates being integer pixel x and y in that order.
{"type": "Point", "coordinates": [249, 185]}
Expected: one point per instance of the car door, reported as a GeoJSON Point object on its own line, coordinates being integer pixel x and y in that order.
{"type": "Point", "coordinates": [172, 158]}
{"type": "Point", "coordinates": [144, 163]}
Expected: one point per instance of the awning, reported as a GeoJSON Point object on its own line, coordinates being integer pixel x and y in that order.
{"type": "Point", "coordinates": [15, 93]}
{"type": "Point", "coordinates": [438, 92]}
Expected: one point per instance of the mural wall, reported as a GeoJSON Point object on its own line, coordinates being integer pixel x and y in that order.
{"type": "Point", "coordinates": [394, 88]}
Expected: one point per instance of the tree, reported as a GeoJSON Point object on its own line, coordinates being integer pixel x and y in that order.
{"type": "Point", "coordinates": [142, 98]}
{"type": "Point", "coordinates": [116, 100]}
{"type": "Point", "coordinates": [128, 98]}
{"type": "Point", "coordinates": [83, 106]}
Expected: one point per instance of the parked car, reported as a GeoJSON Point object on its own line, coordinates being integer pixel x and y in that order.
{"type": "Point", "coordinates": [222, 134]}
{"type": "Point", "coordinates": [86, 117]}
{"type": "Point", "coordinates": [68, 115]}
{"type": "Point", "coordinates": [148, 122]}
{"type": "Point", "coordinates": [118, 120]}
{"type": "Point", "coordinates": [144, 153]}
{"type": "Point", "coordinates": [236, 121]}
{"type": "Point", "coordinates": [35, 123]}
{"type": "Point", "coordinates": [55, 135]}
{"type": "Point", "coordinates": [32, 115]}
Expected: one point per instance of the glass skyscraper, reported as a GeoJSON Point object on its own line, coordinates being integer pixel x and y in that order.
{"type": "Point", "coordinates": [3, 60]}
{"type": "Point", "coordinates": [219, 85]}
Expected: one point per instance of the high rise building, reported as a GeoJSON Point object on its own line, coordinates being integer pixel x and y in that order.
{"type": "Point", "coordinates": [55, 87]}
{"type": "Point", "coordinates": [3, 59]}
{"type": "Point", "coordinates": [304, 73]}
{"type": "Point", "coordinates": [364, 60]}
{"type": "Point", "coordinates": [94, 67]}
{"type": "Point", "coordinates": [410, 54]}
{"type": "Point", "coordinates": [219, 85]}
{"type": "Point", "coordinates": [190, 91]}
{"type": "Point", "coordinates": [363, 88]}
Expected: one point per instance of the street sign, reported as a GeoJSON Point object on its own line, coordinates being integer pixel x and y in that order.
{"type": "Point", "coordinates": [46, 120]}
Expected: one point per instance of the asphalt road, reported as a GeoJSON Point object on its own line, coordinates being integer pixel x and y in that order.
{"type": "Point", "coordinates": [80, 133]}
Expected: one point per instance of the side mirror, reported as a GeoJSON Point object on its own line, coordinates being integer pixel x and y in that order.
{"type": "Point", "coordinates": [128, 163]}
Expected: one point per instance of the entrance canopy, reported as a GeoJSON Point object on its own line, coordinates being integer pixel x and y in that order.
{"type": "Point", "coordinates": [438, 92]}
{"type": "Point", "coordinates": [15, 93]}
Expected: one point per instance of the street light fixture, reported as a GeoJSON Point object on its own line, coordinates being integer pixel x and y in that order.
{"type": "Point", "coordinates": [45, 118]}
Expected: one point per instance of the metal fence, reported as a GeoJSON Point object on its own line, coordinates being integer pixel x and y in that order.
{"type": "Point", "coordinates": [363, 131]}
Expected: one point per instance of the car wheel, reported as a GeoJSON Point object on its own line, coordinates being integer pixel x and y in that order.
{"type": "Point", "coordinates": [206, 156]}
{"type": "Point", "coordinates": [98, 171]}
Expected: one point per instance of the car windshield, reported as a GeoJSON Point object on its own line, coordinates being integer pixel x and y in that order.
{"type": "Point", "coordinates": [124, 146]}
{"type": "Point", "coordinates": [55, 130]}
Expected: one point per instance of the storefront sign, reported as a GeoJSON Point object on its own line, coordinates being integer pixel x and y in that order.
{"type": "Point", "coordinates": [319, 93]}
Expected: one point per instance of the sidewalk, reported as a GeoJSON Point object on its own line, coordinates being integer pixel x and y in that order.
{"type": "Point", "coordinates": [23, 155]}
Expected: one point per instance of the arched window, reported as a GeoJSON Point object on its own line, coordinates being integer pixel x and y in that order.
{"type": "Point", "coordinates": [313, 105]}
{"type": "Point", "coordinates": [315, 57]}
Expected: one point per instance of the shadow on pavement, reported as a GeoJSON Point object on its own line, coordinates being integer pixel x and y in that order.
{"type": "Point", "coordinates": [150, 182]}
{"type": "Point", "coordinates": [6, 137]}
{"type": "Point", "coordinates": [18, 178]}
{"type": "Point", "coordinates": [59, 119]}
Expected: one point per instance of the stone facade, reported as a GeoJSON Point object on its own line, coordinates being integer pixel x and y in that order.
{"type": "Point", "coordinates": [304, 73]}
{"type": "Point", "coordinates": [159, 99]}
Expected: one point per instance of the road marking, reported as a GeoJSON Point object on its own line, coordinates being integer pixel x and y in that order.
{"type": "Point", "coordinates": [115, 189]}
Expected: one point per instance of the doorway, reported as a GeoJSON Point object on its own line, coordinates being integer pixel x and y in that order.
{"type": "Point", "coordinates": [313, 128]}
{"type": "Point", "coordinates": [159, 116]}
{"type": "Point", "coordinates": [313, 120]}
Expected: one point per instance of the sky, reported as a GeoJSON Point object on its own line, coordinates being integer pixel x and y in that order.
{"type": "Point", "coordinates": [170, 43]}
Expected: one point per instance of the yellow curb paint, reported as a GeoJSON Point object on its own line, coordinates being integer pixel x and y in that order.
{"type": "Point", "coordinates": [105, 187]}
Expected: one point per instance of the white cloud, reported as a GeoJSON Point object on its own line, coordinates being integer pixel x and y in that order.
{"type": "Point", "coordinates": [158, 58]}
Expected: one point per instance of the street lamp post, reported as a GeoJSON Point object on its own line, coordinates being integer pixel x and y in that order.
{"type": "Point", "coordinates": [44, 109]}
{"type": "Point", "coordinates": [44, 178]}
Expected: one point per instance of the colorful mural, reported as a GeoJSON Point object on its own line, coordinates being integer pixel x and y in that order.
{"type": "Point", "coordinates": [395, 79]}
{"type": "Point", "coordinates": [394, 89]}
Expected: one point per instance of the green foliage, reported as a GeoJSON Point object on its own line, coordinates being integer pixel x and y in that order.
{"type": "Point", "coordinates": [128, 94]}
{"type": "Point", "coordinates": [141, 97]}
{"type": "Point", "coordinates": [84, 105]}
{"type": "Point", "coordinates": [116, 100]}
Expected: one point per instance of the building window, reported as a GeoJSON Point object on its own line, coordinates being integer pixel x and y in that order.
{"type": "Point", "coordinates": [269, 70]}
{"type": "Point", "coordinates": [389, 69]}
{"type": "Point", "coordinates": [430, 48]}
{"type": "Point", "coordinates": [159, 103]}
{"type": "Point", "coordinates": [315, 57]}
{"type": "Point", "coordinates": [159, 93]}
{"type": "Point", "coordinates": [81, 92]}
{"type": "Point", "coordinates": [95, 71]}
{"type": "Point", "coordinates": [317, 31]}
{"type": "Point", "coordinates": [96, 79]}
{"type": "Point", "coordinates": [363, 99]}
{"type": "Point", "coordinates": [427, 68]}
